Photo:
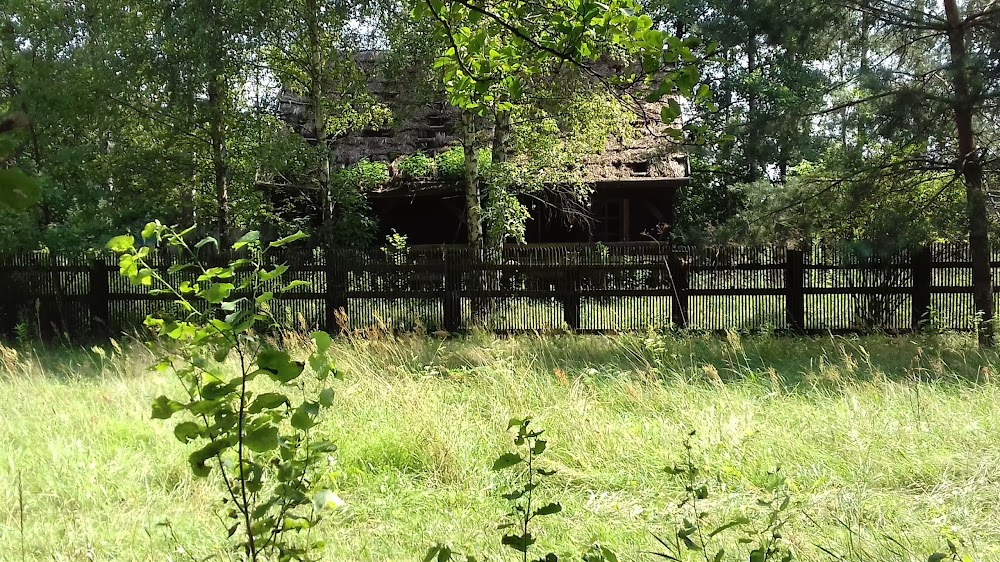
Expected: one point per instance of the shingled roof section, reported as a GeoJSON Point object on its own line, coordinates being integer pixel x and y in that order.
{"type": "Point", "coordinates": [430, 126]}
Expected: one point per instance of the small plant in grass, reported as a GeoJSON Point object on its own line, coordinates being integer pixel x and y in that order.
{"type": "Point", "coordinates": [756, 537]}
{"type": "Point", "coordinates": [523, 500]}
{"type": "Point", "coordinates": [416, 166]}
{"type": "Point", "coordinates": [519, 527]}
{"type": "Point", "coordinates": [254, 427]}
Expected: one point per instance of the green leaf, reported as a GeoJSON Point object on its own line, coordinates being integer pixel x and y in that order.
{"type": "Point", "coordinates": [437, 552]}
{"type": "Point", "coordinates": [221, 353]}
{"type": "Point", "coordinates": [262, 439]}
{"type": "Point", "coordinates": [514, 422]}
{"type": "Point", "coordinates": [322, 340]}
{"type": "Point", "coordinates": [164, 407]}
{"type": "Point", "coordinates": [304, 417]}
{"type": "Point", "coordinates": [539, 447]}
{"type": "Point", "coordinates": [507, 460]}
{"type": "Point", "coordinates": [549, 509]}
{"type": "Point", "coordinates": [691, 545]}
{"type": "Point", "coordinates": [267, 401]}
{"type": "Point", "coordinates": [198, 458]}
{"type": "Point", "coordinates": [121, 244]}
{"type": "Point", "coordinates": [515, 495]}
{"type": "Point", "coordinates": [149, 231]}
{"type": "Point", "coordinates": [187, 431]}
{"type": "Point", "coordinates": [326, 397]}
{"type": "Point", "coordinates": [18, 190]}
{"type": "Point", "coordinates": [320, 365]}
{"type": "Point", "coordinates": [519, 543]}
{"type": "Point", "coordinates": [217, 292]}
{"type": "Point", "coordinates": [279, 365]}
{"type": "Point", "coordinates": [734, 523]}
{"type": "Point", "coordinates": [937, 557]}
{"type": "Point", "coordinates": [252, 236]}
{"type": "Point", "coordinates": [294, 284]}
{"type": "Point", "coordinates": [205, 241]}
{"type": "Point", "coordinates": [143, 277]}
{"type": "Point", "coordinates": [289, 239]}
{"type": "Point", "coordinates": [670, 112]}
{"type": "Point", "coordinates": [266, 276]}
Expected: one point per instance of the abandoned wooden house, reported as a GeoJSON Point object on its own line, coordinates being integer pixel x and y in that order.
{"type": "Point", "coordinates": [634, 182]}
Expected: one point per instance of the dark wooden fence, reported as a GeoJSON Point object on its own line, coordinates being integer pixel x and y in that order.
{"type": "Point", "coordinates": [587, 288]}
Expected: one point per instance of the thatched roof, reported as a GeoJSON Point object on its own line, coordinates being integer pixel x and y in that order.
{"type": "Point", "coordinates": [427, 124]}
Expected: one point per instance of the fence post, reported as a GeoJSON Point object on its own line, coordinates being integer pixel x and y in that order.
{"type": "Point", "coordinates": [679, 285]}
{"type": "Point", "coordinates": [921, 270]}
{"type": "Point", "coordinates": [99, 299]}
{"type": "Point", "coordinates": [571, 297]}
{"type": "Point", "coordinates": [795, 296]}
{"type": "Point", "coordinates": [452, 300]}
{"type": "Point", "coordinates": [336, 289]}
{"type": "Point", "coordinates": [8, 300]}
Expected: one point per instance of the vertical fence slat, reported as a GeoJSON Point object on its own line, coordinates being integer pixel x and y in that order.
{"type": "Point", "coordinates": [679, 284]}
{"type": "Point", "coordinates": [922, 272]}
{"type": "Point", "coordinates": [795, 296]}
{"type": "Point", "coordinates": [98, 297]}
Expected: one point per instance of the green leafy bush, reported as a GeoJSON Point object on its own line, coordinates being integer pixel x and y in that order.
{"type": "Point", "coordinates": [451, 164]}
{"type": "Point", "coordinates": [416, 166]}
{"type": "Point", "coordinates": [364, 175]}
{"type": "Point", "coordinates": [18, 190]}
{"type": "Point", "coordinates": [254, 427]}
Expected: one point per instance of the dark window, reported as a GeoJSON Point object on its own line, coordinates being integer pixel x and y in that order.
{"type": "Point", "coordinates": [608, 220]}
{"type": "Point", "coordinates": [639, 168]}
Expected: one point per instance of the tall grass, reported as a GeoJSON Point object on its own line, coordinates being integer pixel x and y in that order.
{"type": "Point", "coordinates": [889, 444]}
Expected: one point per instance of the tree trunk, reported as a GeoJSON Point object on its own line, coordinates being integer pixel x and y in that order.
{"type": "Point", "coordinates": [753, 136]}
{"type": "Point", "coordinates": [220, 156]}
{"type": "Point", "coordinates": [316, 72]}
{"type": "Point", "coordinates": [866, 25]}
{"type": "Point", "coordinates": [473, 200]}
{"type": "Point", "coordinates": [972, 172]}
{"type": "Point", "coordinates": [499, 153]}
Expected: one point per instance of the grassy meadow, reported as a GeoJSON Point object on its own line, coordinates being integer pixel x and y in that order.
{"type": "Point", "coordinates": [890, 446]}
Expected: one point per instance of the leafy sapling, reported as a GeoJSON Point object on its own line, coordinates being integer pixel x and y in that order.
{"type": "Point", "coordinates": [518, 528]}
{"type": "Point", "coordinates": [246, 404]}
{"type": "Point", "coordinates": [703, 537]}
{"type": "Point", "coordinates": [523, 500]}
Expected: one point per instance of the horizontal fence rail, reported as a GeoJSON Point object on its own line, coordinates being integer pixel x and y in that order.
{"type": "Point", "coordinates": [589, 288]}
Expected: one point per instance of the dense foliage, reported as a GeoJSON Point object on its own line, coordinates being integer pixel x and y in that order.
{"type": "Point", "coordinates": [805, 121]}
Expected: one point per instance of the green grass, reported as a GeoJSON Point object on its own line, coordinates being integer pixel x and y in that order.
{"type": "Point", "coordinates": [881, 439]}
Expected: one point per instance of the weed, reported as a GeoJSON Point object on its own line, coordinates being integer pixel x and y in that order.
{"type": "Point", "coordinates": [257, 435]}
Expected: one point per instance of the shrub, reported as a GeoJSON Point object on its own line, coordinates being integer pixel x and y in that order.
{"type": "Point", "coordinates": [451, 164]}
{"type": "Point", "coordinates": [254, 428]}
{"type": "Point", "coordinates": [416, 166]}
{"type": "Point", "coordinates": [364, 175]}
